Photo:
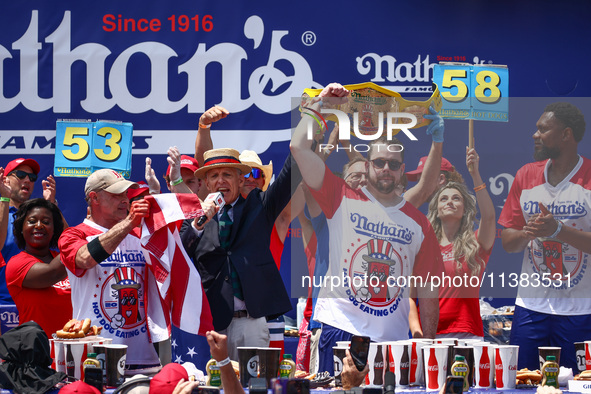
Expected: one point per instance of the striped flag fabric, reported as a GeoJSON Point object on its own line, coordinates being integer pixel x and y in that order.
{"type": "Point", "coordinates": [177, 279]}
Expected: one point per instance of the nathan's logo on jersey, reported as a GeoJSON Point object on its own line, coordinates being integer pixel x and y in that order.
{"type": "Point", "coordinates": [394, 233]}
{"type": "Point", "coordinates": [129, 257]}
{"type": "Point", "coordinates": [562, 210]}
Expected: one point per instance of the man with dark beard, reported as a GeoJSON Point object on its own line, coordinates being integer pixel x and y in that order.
{"type": "Point", "coordinates": [546, 216]}
{"type": "Point", "coordinates": [372, 229]}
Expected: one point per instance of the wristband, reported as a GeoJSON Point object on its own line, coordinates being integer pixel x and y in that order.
{"type": "Point", "coordinates": [177, 182]}
{"type": "Point", "coordinates": [480, 187]}
{"type": "Point", "coordinates": [557, 229]}
{"type": "Point", "coordinates": [4, 199]}
{"type": "Point", "coordinates": [96, 250]}
{"type": "Point", "coordinates": [204, 126]}
{"type": "Point", "coordinates": [224, 362]}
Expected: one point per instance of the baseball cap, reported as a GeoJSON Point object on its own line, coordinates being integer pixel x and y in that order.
{"type": "Point", "coordinates": [414, 175]}
{"type": "Point", "coordinates": [141, 188]}
{"type": "Point", "coordinates": [108, 180]}
{"type": "Point", "coordinates": [166, 380]}
{"type": "Point", "coordinates": [79, 387]}
{"type": "Point", "coordinates": [187, 162]}
{"type": "Point", "coordinates": [11, 166]}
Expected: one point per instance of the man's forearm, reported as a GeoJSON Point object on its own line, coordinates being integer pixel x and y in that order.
{"type": "Point", "coordinates": [514, 240]}
{"type": "Point", "coordinates": [420, 193]}
{"type": "Point", "coordinates": [310, 165]}
{"type": "Point", "coordinates": [109, 241]}
{"type": "Point", "coordinates": [203, 143]}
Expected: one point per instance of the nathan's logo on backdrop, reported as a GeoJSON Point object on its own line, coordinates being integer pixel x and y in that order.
{"type": "Point", "coordinates": [387, 68]}
{"type": "Point", "coordinates": [106, 76]}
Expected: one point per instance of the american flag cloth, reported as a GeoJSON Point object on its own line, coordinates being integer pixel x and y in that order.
{"type": "Point", "coordinates": [177, 280]}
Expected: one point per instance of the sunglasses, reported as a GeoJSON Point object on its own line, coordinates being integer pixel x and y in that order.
{"type": "Point", "coordinates": [20, 174]}
{"type": "Point", "coordinates": [394, 165]}
{"type": "Point", "coordinates": [256, 173]}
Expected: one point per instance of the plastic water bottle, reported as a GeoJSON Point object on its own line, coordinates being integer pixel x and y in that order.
{"type": "Point", "coordinates": [300, 310]}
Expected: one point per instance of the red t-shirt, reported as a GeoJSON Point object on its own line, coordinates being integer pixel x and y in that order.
{"type": "Point", "coordinates": [459, 307]}
{"type": "Point", "coordinates": [50, 307]}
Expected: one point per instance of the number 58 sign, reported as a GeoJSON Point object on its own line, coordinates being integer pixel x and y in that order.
{"type": "Point", "coordinates": [83, 147]}
{"type": "Point", "coordinates": [477, 92]}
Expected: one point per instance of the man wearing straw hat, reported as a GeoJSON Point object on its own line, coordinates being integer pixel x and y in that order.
{"type": "Point", "coordinates": [232, 253]}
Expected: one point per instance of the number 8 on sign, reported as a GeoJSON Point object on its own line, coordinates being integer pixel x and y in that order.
{"type": "Point", "coordinates": [473, 91]}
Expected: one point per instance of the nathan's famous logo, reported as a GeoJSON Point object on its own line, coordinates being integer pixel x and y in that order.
{"type": "Point", "coordinates": [395, 233]}
{"type": "Point", "coordinates": [562, 210]}
{"type": "Point", "coordinates": [107, 68]}
{"type": "Point", "coordinates": [372, 266]}
{"type": "Point", "coordinates": [369, 128]}
{"type": "Point", "coordinates": [122, 305]}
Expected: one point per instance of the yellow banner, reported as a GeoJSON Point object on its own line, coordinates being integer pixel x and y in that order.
{"type": "Point", "coordinates": [368, 100]}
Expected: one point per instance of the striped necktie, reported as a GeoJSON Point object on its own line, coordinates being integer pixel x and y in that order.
{"type": "Point", "coordinates": [225, 225]}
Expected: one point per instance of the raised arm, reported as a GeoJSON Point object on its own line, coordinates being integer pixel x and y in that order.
{"type": "Point", "coordinates": [5, 192]}
{"type": "Point", "coordinates": [176, 180]}
{"type": "Point", "coordinates": [422, 191]}
{"type": "Point", "coordinates": [203, 141]}
{"type": "Point", "coordinates": [112, 238]}
{"type": "Point", "coordinates": [312, 166]}
{"type": "Point", "coordinates": [487, 229]}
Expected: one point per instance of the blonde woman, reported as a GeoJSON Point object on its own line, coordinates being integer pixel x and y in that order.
{"type": "Point", "coordinates": [452, 213]}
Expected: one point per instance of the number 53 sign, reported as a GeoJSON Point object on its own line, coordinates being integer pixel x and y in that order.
{"type": "Point", "coordinates": [477, 92]}
{"type": "Point", "coordinates": [83, 147]}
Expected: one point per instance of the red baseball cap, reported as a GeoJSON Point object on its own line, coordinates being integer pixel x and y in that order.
{"type": "Point", "coordinates": [142, 188]}
{"type": "Point", "coordinates": [166, 380]}
{"type": "Point", "coordinates": [22, 162]}
{"type": "Point", "coordinates": [414, 175]}
{"type": "Point", "coordinates": [187, 162]}
{"type": "Point", "coordinates": [79, 387]}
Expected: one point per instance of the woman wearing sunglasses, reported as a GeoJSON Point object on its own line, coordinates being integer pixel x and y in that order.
{"type": "Point", "coordinates": [452, 213]}
{"type": "Point", "coordinates": [36, 278]}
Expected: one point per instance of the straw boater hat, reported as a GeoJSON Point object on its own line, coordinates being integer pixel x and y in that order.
{"type": "Point", "coordinates": [224, 157]}
{"type": "Point", "coordinates": [250, 158]}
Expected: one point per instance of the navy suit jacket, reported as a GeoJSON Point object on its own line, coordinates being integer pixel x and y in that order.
{"type": "Point", "coordinates": [249, 252]}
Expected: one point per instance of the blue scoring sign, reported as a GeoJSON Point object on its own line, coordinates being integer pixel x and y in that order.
{"type": "Point", "coordinates": [479, 92]}
{"type": "Point", "coordinates": [83, 147]}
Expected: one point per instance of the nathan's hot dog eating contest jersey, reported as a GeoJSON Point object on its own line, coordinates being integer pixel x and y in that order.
{"type": "Point", "coordinates": [112, 292]}
{"type": "Point", "coordinates": [373, 249]}
{"type": "Point", "coordinates": [568, 290]}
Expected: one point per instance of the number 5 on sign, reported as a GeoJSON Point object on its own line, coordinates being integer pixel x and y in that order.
{"type": "Point", "coordinates": [83, 147]}
{"type": "Point", "coordinates": [479, 92]}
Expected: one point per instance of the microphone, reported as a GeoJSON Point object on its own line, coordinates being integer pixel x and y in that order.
{"type": "Point", "coordinates": [218, 199]}
{"type": "Point", "coordinates": [389, 382]}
